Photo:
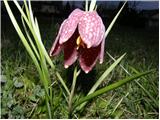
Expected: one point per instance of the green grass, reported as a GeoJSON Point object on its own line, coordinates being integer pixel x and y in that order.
{"type": "Point", "coordinates": [22, 94]}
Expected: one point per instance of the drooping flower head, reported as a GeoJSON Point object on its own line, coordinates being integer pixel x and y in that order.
{"type": "Point", "coordinates": [81, 36]}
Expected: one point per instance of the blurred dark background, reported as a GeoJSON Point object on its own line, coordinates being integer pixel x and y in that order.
{"type": "Point", "coordinates": [135, 13]}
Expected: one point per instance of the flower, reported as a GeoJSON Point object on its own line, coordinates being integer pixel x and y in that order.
{"type": "Point", "coordinates": [81, 36]}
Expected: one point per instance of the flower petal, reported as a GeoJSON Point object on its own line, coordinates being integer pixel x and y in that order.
{"type": "Point", "coordinates": [91, 29]}
{"type": "Point", "coordinates": [88, 58]}
{"type": "Point", "coordinates": [56, 47]}
{"type": "Point", "coordinates": [70, 50]}
{"type": "Point", "coordinates": [70, 25]}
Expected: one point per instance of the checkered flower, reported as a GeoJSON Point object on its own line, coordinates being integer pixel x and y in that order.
{"type": "Point", "coordinates": [81, 36]}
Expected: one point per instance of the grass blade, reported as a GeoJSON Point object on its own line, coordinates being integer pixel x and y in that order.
{"type": "Point", "coordinates": [37, 33]}
{"type": "Point", "coordinates": [103, 76]}
{"type": "Point", "coordinates": [115, 108]}
{"type": "Point", "coordinates": [114, 20]}
{"type": "Point", "coordinates": [86, 5]}
{"type": "Point", "coordinates": [152, 98]}
{"type": "Point", "coordinates": [23, 39]}
{"type": "Point", "coordinates": [29, 38]}
{"type": "Point", "coordinates": [42, 67]}
{"type": "Point", "coordinates": [63, 84]}
{"type": "Point", "coordinates": [92, 5]}
{"type": "Point", "coordinates": [134, 70]}
{"type": "Point", "coordinates": [109, 88]}
{"type": "Point", "coordinates": [33, 28]}
{"type": "Point", "coordinates": [42, 46]}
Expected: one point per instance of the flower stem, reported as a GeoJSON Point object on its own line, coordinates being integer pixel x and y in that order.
{"type": "Point", "coordinates": [75, 75]}
{"type": "Point", "coordinates": [48, 108]}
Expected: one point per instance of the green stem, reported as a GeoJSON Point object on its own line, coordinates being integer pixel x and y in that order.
{"type": "Point", "coordinates": [48, 109]}
{"type": "Point", "coordinates": [75, 75]}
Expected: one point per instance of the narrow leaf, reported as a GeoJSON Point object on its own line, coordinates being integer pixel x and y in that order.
{"type": "Point", "coordinates": [102, 78]}
{"type": "Point", "coordinates": [109, 88]}
{"type": "Point", "coordinates": [105, 74]}
{"type": "Point", "coordinates": [152, 98]}
{"type": "Point", "coordinates": [114, 20]}
{"type": "Point", "coordinates": [29, 38]}
{"type": "Point", "coordinates": [133, 69]}
{"type": "Point", "coordinates": [92, 5]}
{"type": "Point", "coordinates": [63, 83]}
{"type": "Point", "coordinates": [86, 5]}
{"type": "Point", "coordinates": [23, 39]}
{"type": "Point", "coordinates": [33, 28]}
{"type": "Point", "coordinates": [42, 46]}
{"type": "Point", "coordinates": [118, 104]}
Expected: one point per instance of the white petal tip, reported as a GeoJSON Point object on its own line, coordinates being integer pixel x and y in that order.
{"type": "Point", "coordinates": [100, 62]}
{"type": "Point", "coordinates": [89, 46]}
{"type": "Point", "coordinates": [66, 66]}
{"type": "Point", "coordinates": [77, 48]}
{"type": "Point", "coordinates": [86, 72]}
